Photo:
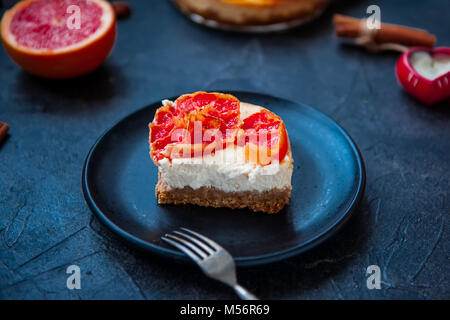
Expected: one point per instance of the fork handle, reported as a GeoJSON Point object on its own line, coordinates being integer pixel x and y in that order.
{"type": "Point", "coordinates": [243, 293]}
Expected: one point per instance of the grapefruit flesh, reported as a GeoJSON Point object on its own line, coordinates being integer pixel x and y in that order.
{"type": "Point", "coordinates": [263, 134]}
{"type": "Point", "coordinates": [175, 124]}
{"type": "Point", "coordinates": [266, 137]}
{"type": "Point", "coordinates": [43, 25]}
{"type": "Point", "coordinates": [40, 36]}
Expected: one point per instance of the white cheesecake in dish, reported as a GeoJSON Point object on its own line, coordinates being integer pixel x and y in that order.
{"type": "Point", "coordinates": [213, 150]}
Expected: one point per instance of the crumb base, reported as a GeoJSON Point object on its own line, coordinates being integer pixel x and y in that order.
{"type": "Point", "coordinates": [271, 201]}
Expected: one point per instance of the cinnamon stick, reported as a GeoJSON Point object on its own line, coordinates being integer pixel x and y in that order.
{"type": "Point", "coordinates": [122, 9]}
{"type": "Point", "coordinates": [3, 130]}
{"type": "Point", "coordinates": [348, 27]}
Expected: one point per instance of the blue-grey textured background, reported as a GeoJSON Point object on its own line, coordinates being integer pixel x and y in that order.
{"type": "Point", "coordinates": [401, 225]}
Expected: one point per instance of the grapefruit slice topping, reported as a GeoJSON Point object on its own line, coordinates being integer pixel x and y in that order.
{"type": "Point", "coordinates": [266, 138]}
{"type": "Point", "coordinates": [43, 24]}
{"type": "Point", "coordinates": [197, 123]}
{"type": "Point", "coordinates": [218, 110]}
{"type": "Point", "coordinates": [189, 121]}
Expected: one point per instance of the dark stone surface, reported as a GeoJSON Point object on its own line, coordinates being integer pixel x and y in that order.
{"type": "Point", "coordinates": [401, 224]}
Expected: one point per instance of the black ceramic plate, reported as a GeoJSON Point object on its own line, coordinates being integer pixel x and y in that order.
{"type": "Point", "coordinates": [119, 180]}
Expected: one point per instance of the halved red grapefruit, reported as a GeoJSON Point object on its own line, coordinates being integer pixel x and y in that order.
{"type": "Point", "coordinates": [37, 36]}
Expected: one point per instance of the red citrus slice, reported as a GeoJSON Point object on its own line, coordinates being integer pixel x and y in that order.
{"type": "Point", "coordinates": [266, 138]}
{"type": "Point", "coordinates": [216, 110]}
{"type": "Point", "coordinates": [216, 115]}
{"type": "Point", "coordinates": [44, 37]}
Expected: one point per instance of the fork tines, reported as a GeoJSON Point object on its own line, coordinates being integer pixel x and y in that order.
{"type": "Point", "coordinates": [195, 245]}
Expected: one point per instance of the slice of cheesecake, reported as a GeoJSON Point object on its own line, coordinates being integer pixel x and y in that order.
{"type": "Point", "coordinates": [213, 150]}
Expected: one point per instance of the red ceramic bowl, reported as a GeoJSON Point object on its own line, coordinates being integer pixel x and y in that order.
{"type": "Point", "coordinates": [426, 90]}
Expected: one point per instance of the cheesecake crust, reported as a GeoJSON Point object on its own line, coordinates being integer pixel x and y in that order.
{"type": "Point", "coordinates": [270, 201]}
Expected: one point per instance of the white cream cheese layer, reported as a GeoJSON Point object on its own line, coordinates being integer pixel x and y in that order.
{"type": "Point", "coordinates": [226, 170]}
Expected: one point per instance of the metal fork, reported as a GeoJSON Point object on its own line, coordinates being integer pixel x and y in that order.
{"type": "Point", "coordinates": [214, 260]}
